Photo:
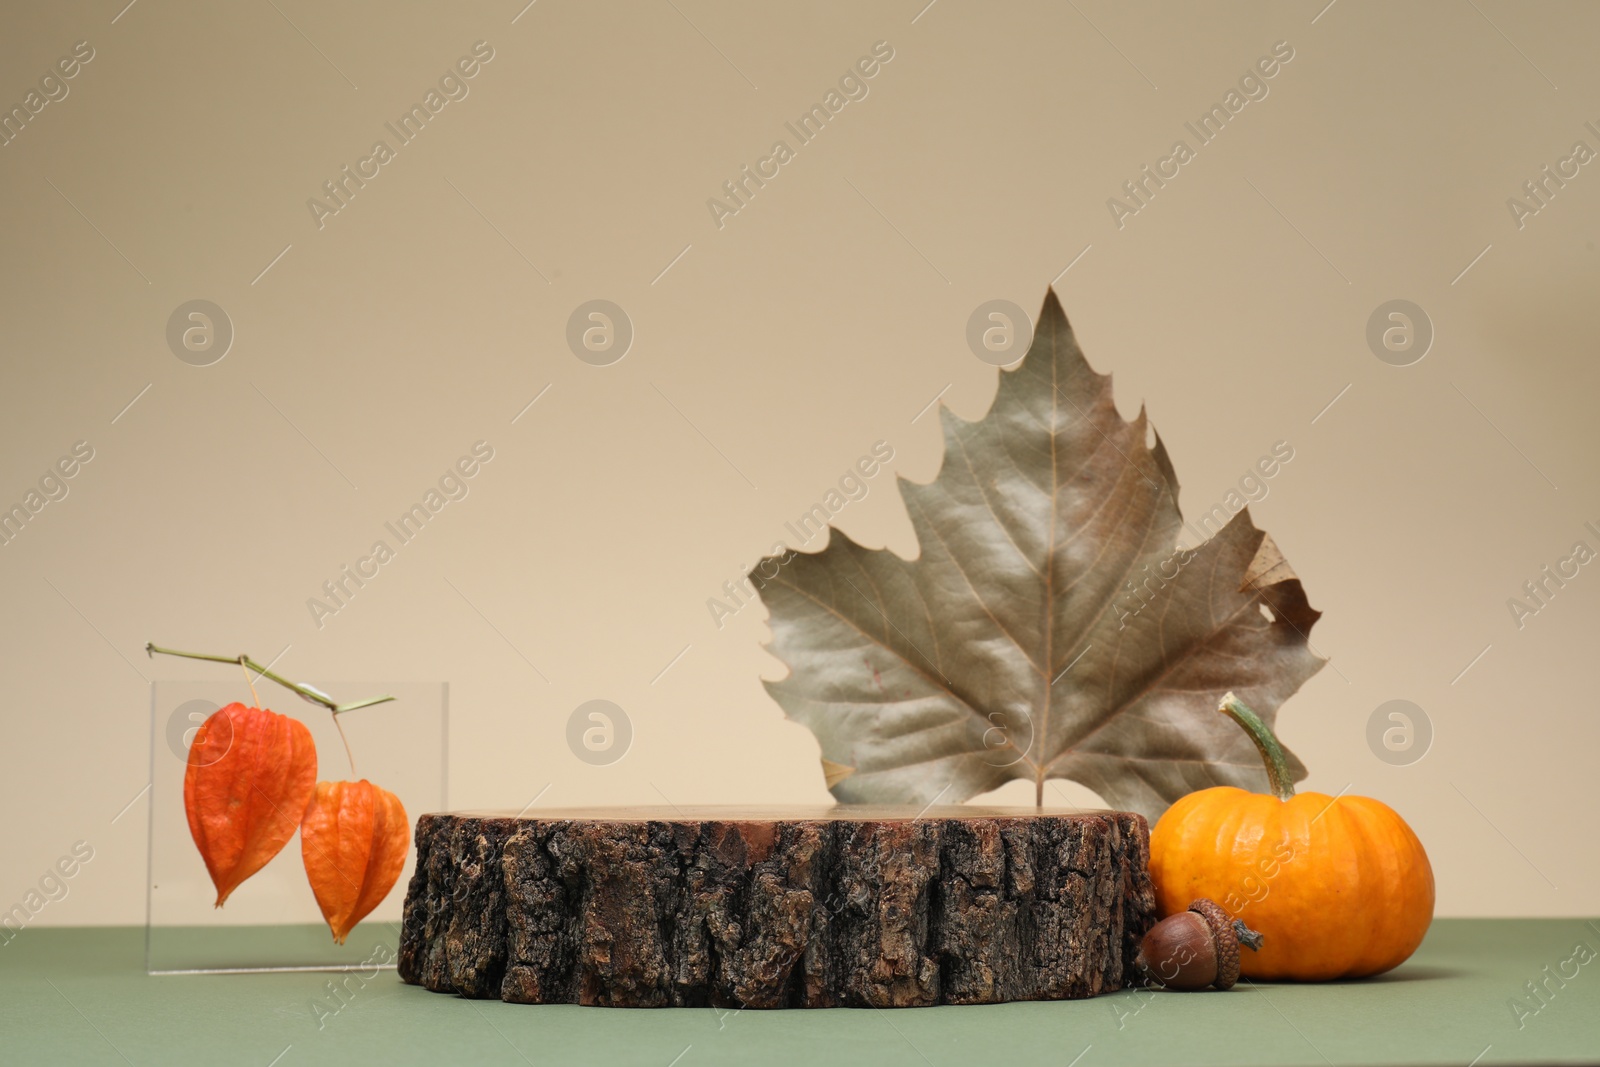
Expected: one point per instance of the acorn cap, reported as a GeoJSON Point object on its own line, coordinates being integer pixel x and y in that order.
{"type": "Point", "coordinates": [1227, 939]}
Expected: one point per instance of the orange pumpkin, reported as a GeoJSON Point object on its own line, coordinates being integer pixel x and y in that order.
{"type": "Point", "coordinates": [1339, 887]}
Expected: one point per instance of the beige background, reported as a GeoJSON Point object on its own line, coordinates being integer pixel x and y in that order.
{"type": "Point", "coordinates": [777, 349]}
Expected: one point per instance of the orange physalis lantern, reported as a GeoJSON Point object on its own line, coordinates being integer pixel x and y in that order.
{"type": "Point", "coordinates": [354, 841]}
{"type": "Point", "coordinates": [244, 804]}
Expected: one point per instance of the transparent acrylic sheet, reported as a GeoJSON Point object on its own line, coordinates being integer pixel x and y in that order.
{"type": "Point", "coordinates": [272, 922]}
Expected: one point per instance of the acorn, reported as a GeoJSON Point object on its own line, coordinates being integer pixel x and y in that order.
{"type": "Point", "coordinates": [1195, 948]}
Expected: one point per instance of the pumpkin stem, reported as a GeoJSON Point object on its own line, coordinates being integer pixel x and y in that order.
{"type": "Point", "coordinates": [1278, 774]}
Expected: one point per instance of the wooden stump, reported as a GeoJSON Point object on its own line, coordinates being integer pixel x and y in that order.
{"type": "Point", "coordinates": [777, 908]}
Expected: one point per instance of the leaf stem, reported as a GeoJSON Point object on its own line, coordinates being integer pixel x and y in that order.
{"type": "Point", "coordinates": [348, 755]}
{"type": "Point", "coordinates": [304, 691]}
{"type": "Point", "coordinates": [1278, 774]}
{"type": "Point", "coordinates": [250, 683]}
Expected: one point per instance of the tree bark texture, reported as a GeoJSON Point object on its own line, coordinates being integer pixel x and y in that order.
{"type": "Point", "coordinates": [745, 908]}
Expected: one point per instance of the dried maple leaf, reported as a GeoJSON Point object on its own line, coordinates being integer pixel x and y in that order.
{"type": "Point", "coordinates": [1051, 627]}
{"type": "Point", "coordinates": [354, 841]}
{"type": "Point", "coordinates": [244, 805]}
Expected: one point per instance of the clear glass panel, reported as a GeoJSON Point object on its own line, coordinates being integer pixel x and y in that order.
{"type": "Point", "coordinates": [272, 921]}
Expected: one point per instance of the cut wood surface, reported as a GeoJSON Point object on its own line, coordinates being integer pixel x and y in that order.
{"type": "Point", "coordinates": [840, 906]}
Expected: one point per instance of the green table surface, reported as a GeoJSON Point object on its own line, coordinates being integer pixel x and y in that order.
{"type": "Point", "coordinates": [79, 995]}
